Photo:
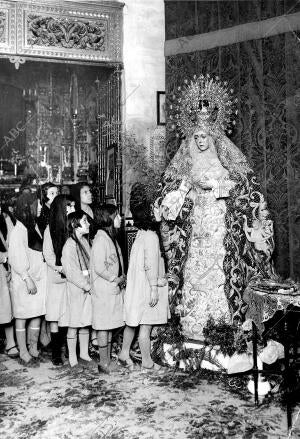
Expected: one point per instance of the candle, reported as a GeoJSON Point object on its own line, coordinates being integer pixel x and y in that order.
{"type": "Point", "coordinates": [74, 93]}
{"type": "Point", "coordinates": [15, 169]}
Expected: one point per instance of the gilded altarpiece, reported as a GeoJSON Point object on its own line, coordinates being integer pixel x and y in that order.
{"type": "Point", "coordinates": [60, 77]}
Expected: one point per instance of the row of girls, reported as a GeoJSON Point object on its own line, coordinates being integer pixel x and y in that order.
{"type": "Point", "coordinates": [75, 279]}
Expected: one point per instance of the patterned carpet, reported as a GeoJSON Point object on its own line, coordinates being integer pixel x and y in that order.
{"type": "Point", "coordinates": [59, 403]}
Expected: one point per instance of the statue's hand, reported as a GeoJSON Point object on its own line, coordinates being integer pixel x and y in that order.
{"type": "Point", "coordinates": [172, 204]}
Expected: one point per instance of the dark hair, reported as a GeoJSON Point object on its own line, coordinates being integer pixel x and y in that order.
{"type": "Point", "coordinates": [65, 190]}
{"type": "Point", "coordinates": [3, 230]}
{"type": "Point", "coordinates": [140, 208]}
{"type": "Point", "coordinates": [26, 184]}
{"type": "Point", "coordinates": [42, 191]}
{"type": "Point", "coordinates": [102, 216]}
{"type": "Point", "coordinates": [75, 191]}
{"type": "Point", "coordinates": [25, 212]}
{"type": "Point", "coordinates": [3, 227]}
{"type": "Point", "coordinates": [24, 209]}
{"type": "Point", "coordinates": [58, 224]}
{"type": "Point", "coordinates": [5, 210]}
{"type": "Point", "coordinates": [143, 219]}
{"type": "Point", "coordinates": [74, 220]}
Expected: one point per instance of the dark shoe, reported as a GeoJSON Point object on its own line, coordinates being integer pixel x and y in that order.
{"type": "Point", "coordinates": [11, 355]}
{"type": "Point", "coordinates": [86, 363]}
{"type": "Point", "coordinates": [114, 366]}
{"type": "Point", "coordinates": [57, 361]}
{"type": "Point", "coordinates": [30, 363]}
{"type": "Point", "coordinates": [76, 368]}
{"type": "Point", "coordinates": [128, 364]}
{"type": "Point", "coordinates": [94, 351]}
{"type": "Point", "coordinates": [155, 368]}
{"type": "Point", "coordinates": [93, 345]}
{"type": "Point", "coordinates": [38, 359]}
{"type": "Point", "coordinates": [103, 369]}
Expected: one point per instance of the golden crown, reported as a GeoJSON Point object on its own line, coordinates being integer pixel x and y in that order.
{"type": "Point", "coordinates": [203, 101]}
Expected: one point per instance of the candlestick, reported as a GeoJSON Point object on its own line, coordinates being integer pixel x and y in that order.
{"type": "Point", "coordinates": [75, 159]}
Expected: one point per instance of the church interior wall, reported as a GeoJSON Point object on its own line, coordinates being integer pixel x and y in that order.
{"type": "Point", "coordinates": [143, 77]}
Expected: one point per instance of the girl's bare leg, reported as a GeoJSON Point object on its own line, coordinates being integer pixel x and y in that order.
{"type": "Point", "coordinates": [84, 337]}
{"type": "Point", "coordinates": [21, 340]}
{"type": "Point", "coordinates": [145, 345]}
{"type": "Point", "coordinates": [128, 336]}
{"type": "Point", "coordinates": [72, 342]}
{"type": "Point", "coordinates": [33, 333]}
{"type": "Point", "coordinates": [102, 337]}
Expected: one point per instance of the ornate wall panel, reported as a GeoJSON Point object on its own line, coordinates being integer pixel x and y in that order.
{"type": "Point", "coordinates": [70, 31]}
{"type": "Point", "coordinates": [7, 27]}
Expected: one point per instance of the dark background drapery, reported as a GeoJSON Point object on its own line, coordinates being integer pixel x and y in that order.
{"type": "Point", "coordinates": [264, 74]}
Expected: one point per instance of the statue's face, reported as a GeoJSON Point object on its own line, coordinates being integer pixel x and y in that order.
{"type": "Point", "coordinates": [202, 140]}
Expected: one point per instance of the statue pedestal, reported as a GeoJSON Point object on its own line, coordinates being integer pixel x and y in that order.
{"type": "Point", "coordinates": [196, 355]}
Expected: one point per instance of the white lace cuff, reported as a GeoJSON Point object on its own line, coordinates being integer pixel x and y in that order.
{"type": "Point", "coordinates": [173, 202]}
{"type": "Point", "coordinates": [221, 188]}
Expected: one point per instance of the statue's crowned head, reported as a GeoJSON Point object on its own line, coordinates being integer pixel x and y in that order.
{"type": "Point", "coordinates": [202, 102]}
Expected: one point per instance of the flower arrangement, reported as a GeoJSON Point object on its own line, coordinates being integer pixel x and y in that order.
{"type": "Point", "coordinates": [221, 341]}
{"type": "Point", "coordinates": [140, 166]}
{"type": "Point", "coordinates": [230, 338]}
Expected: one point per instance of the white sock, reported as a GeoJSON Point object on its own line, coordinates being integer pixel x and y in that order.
{"type": "Point", "coordinates": [32, 339]}
{"type": "Point", "coordinates": [72, 342]}
{"type": "Point", "coordinates": [84, 337]}
{"type": "Point", "coordinates": [21, 340]}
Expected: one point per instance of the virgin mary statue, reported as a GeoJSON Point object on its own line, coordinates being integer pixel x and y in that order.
{"type": "Point", "coordinates": [216, 229]}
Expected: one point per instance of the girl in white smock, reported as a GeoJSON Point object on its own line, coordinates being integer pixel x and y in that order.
{"type": "Point", "coordinates": [77, 306]}
{"type": "Point", "coordinates": [146, 296]}
{"type": "Point", "coordinates": [107, 275]}
{"type": "Point", "coordinates": [5, 300]}
{"type": "Point", "coordinates": [28, 271]}
{"type": "Point", "coordinates": [55, 236]}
